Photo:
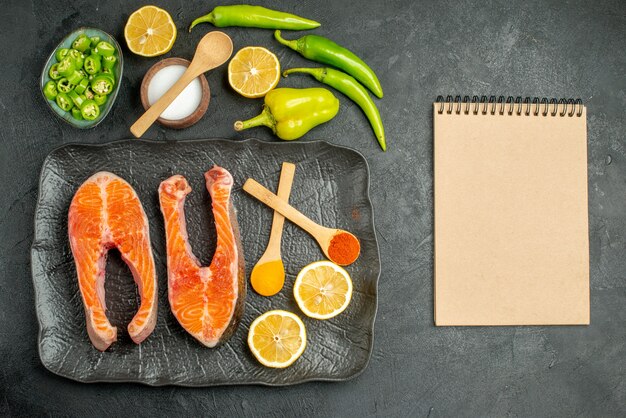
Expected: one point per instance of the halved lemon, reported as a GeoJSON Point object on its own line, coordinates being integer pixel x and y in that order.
{"type": "Point", "coordinates": [323, 290]}
{"type": "Point", "coordinates": [253, 71]}
{"type": "Point", "coordinates": [277, 338]}
{"type": "Point", "coordinates": [150, 31]}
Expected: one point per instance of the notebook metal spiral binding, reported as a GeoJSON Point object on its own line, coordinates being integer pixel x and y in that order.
{"type": "Point", "coordinates": [510, 105]}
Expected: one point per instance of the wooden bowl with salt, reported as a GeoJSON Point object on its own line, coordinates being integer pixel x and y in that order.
{"type": "Point", "coordinates": [180, 114]}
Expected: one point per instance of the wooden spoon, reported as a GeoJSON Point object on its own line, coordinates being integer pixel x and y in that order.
{"type": "Point", "coordinates": [268, 275]}
{"type": "Point", "coordinates": [213, 50]}
{"type": "Point", "coordinates": [345, 246]}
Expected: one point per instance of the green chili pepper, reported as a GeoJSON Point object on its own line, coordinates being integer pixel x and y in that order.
{"type": "Point", "coordinates": [82, 86]}
{"type": "Point", "coordinates": [75, 78]}
{"type": "Point", "coordinates": [54, 72]}
{"type": "Point", "coordinates": [254, 17]}
{"type": "Point", "coordinates": [94, 51]}
{"type": "Point", "coordinates": [109, 62]}
{"type": "Point", "coordinates": [76, 113]}
{"type": "Point", "coordinates": [66, 67]}
{"type": "Point", "coordinates": [75, 98]}
{"type": "Point", "coordinates": [64, 101]}
{"type": "Point", "coordinates": [94, 40]}
{"type": "Point", "coordinates": [102, 84]}
{"type": "Point", "coordinates": [90, 110]}
{"type": "Point", "coordinates": [100, 99]}
{"type": "Point", "coordinates": [61, 53]}
{"type": "Point", "coordinates": [50, 90]}
{"type": "Point", "coordinates": [291, 113]}
{"type": "Point", "coordinates": [89, 93]}
{"type": "Point", "coordinates": [78, 56]}
{"type": "Point", "coordinates": [351, 88]}
{"type": "Point", "coordinates": [320, 49]}
{"type": "Point", "coordinates": [64, 85]}
{"type": "Point", "coordinates": [92, 64]}
{"type": "Point", "coordinates": [109, 72]}
{"type": "Point", "coordinates": [82, 43]}
{"type": "Point", "coordinates": [105, 49]}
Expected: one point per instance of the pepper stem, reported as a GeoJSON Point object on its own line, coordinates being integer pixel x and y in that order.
{"type": "Point", "coordinates": [264, 119]}
{"type": "Point", "coordinates": [293, 44]}
{"type": "Point", "coordinates": [318, 73]}
{"type": "Point", "coordinates": [203, 19]}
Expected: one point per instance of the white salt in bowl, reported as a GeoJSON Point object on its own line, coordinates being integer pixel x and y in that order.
{"type": "Point", "coordinates": [189, 106]}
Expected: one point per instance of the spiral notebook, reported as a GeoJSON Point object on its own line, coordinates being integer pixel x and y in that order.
{"type": "Point", "coordinates": [511, 222]}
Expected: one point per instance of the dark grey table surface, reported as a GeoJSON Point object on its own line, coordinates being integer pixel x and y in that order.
{"type": "Point", "coordinates": [419, 50]}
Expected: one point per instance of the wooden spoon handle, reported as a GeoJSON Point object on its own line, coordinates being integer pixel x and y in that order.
{"type": "Point", "coordinates": [152, 114]}
{"type": "Point", "coordinates": [284, 190]}
{"type": "Point", "coordinates": [270, 199]}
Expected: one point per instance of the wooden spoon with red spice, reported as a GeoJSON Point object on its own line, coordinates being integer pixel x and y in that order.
{"type": "Point", "coordinates": [341, 247]}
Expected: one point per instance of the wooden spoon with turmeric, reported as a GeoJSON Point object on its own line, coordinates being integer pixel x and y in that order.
{"type": "Point", "coordinates": [268, 275]}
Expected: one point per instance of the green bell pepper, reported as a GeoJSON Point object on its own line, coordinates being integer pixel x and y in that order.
{"type": "Point", "coordinates": [291, 113]}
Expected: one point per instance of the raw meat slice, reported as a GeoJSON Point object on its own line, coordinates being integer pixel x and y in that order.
{"type": "Point", "coordinates": [206, 301]}
{"type": "Point", "coordinates": [106, 213]}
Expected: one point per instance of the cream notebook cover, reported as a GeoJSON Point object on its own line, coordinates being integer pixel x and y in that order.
{"type": "Point", "coordinates": [511, 223]}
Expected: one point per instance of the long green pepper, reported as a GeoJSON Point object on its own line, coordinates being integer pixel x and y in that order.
{"type": "Point", "coordinates": [351, 88]}
{"type": "Point", "coordinates": [254, 17]}
{"type": "Point", "coordinates": [323, 50]}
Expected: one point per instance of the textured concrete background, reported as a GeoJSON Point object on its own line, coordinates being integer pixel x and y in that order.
{"type": "Point", "coordinates": [420, 50]}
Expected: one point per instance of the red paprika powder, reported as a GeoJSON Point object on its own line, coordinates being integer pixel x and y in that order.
{"type": "Point", "coordinates": [344, 249]}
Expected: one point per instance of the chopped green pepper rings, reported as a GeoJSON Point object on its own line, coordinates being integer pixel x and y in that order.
{"type": "Point", "coordinates": [61, 53]}
{"type": "Point", "coordinates": [82, 43]}
{"type": "Point", "coordinates": [66, 67]}
{"type": "Point", "coordinates": [76, 99]}
{"type": "Point", "coordinates": [50, 90]}
{"type": "Point", "coordinates": [109, 62]}
{"type": "Point", "coordinates": [105, 49]}
{"type": "Point", "coordinates": [90, 110]}
{"type": "Point", "coordinates": [78, 56]}
{"type": "Point", "coordinates": [100, 99]}
{"type": "Point", "coordinates": [54, 72]}
{"type": "Point", "coordinates": [89, 93]}
{"type": "Point", "coordinates": [92, 64]}
{"type": "Point", "coordinates": [82, 77]}
{"type": "Point", "coordinates": [64, 85]}
{"type": "Point", "coordinates": [102, 84]}
{"type": "Point", "coordinates": [76, 113]}
{"type": "Point", "coordinates": [82, 86]}
{"type": "Point", "coordinates": [64, 101]}
{"type": "Point", "coordinates": [75, 78]}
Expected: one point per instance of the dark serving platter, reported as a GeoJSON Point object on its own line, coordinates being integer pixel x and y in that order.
{"type": "Point", "coordinates": [331, 186]}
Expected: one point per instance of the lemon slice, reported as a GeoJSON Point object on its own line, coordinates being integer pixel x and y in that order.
{"type": "Point", "coordinates": [277, 338]}
{"type": "Point", "coordinates": [323, 290]}
{"type": "Point", "coordinates": [150, 31]}
{"type": "Point", "coordinates": [253, 71]}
